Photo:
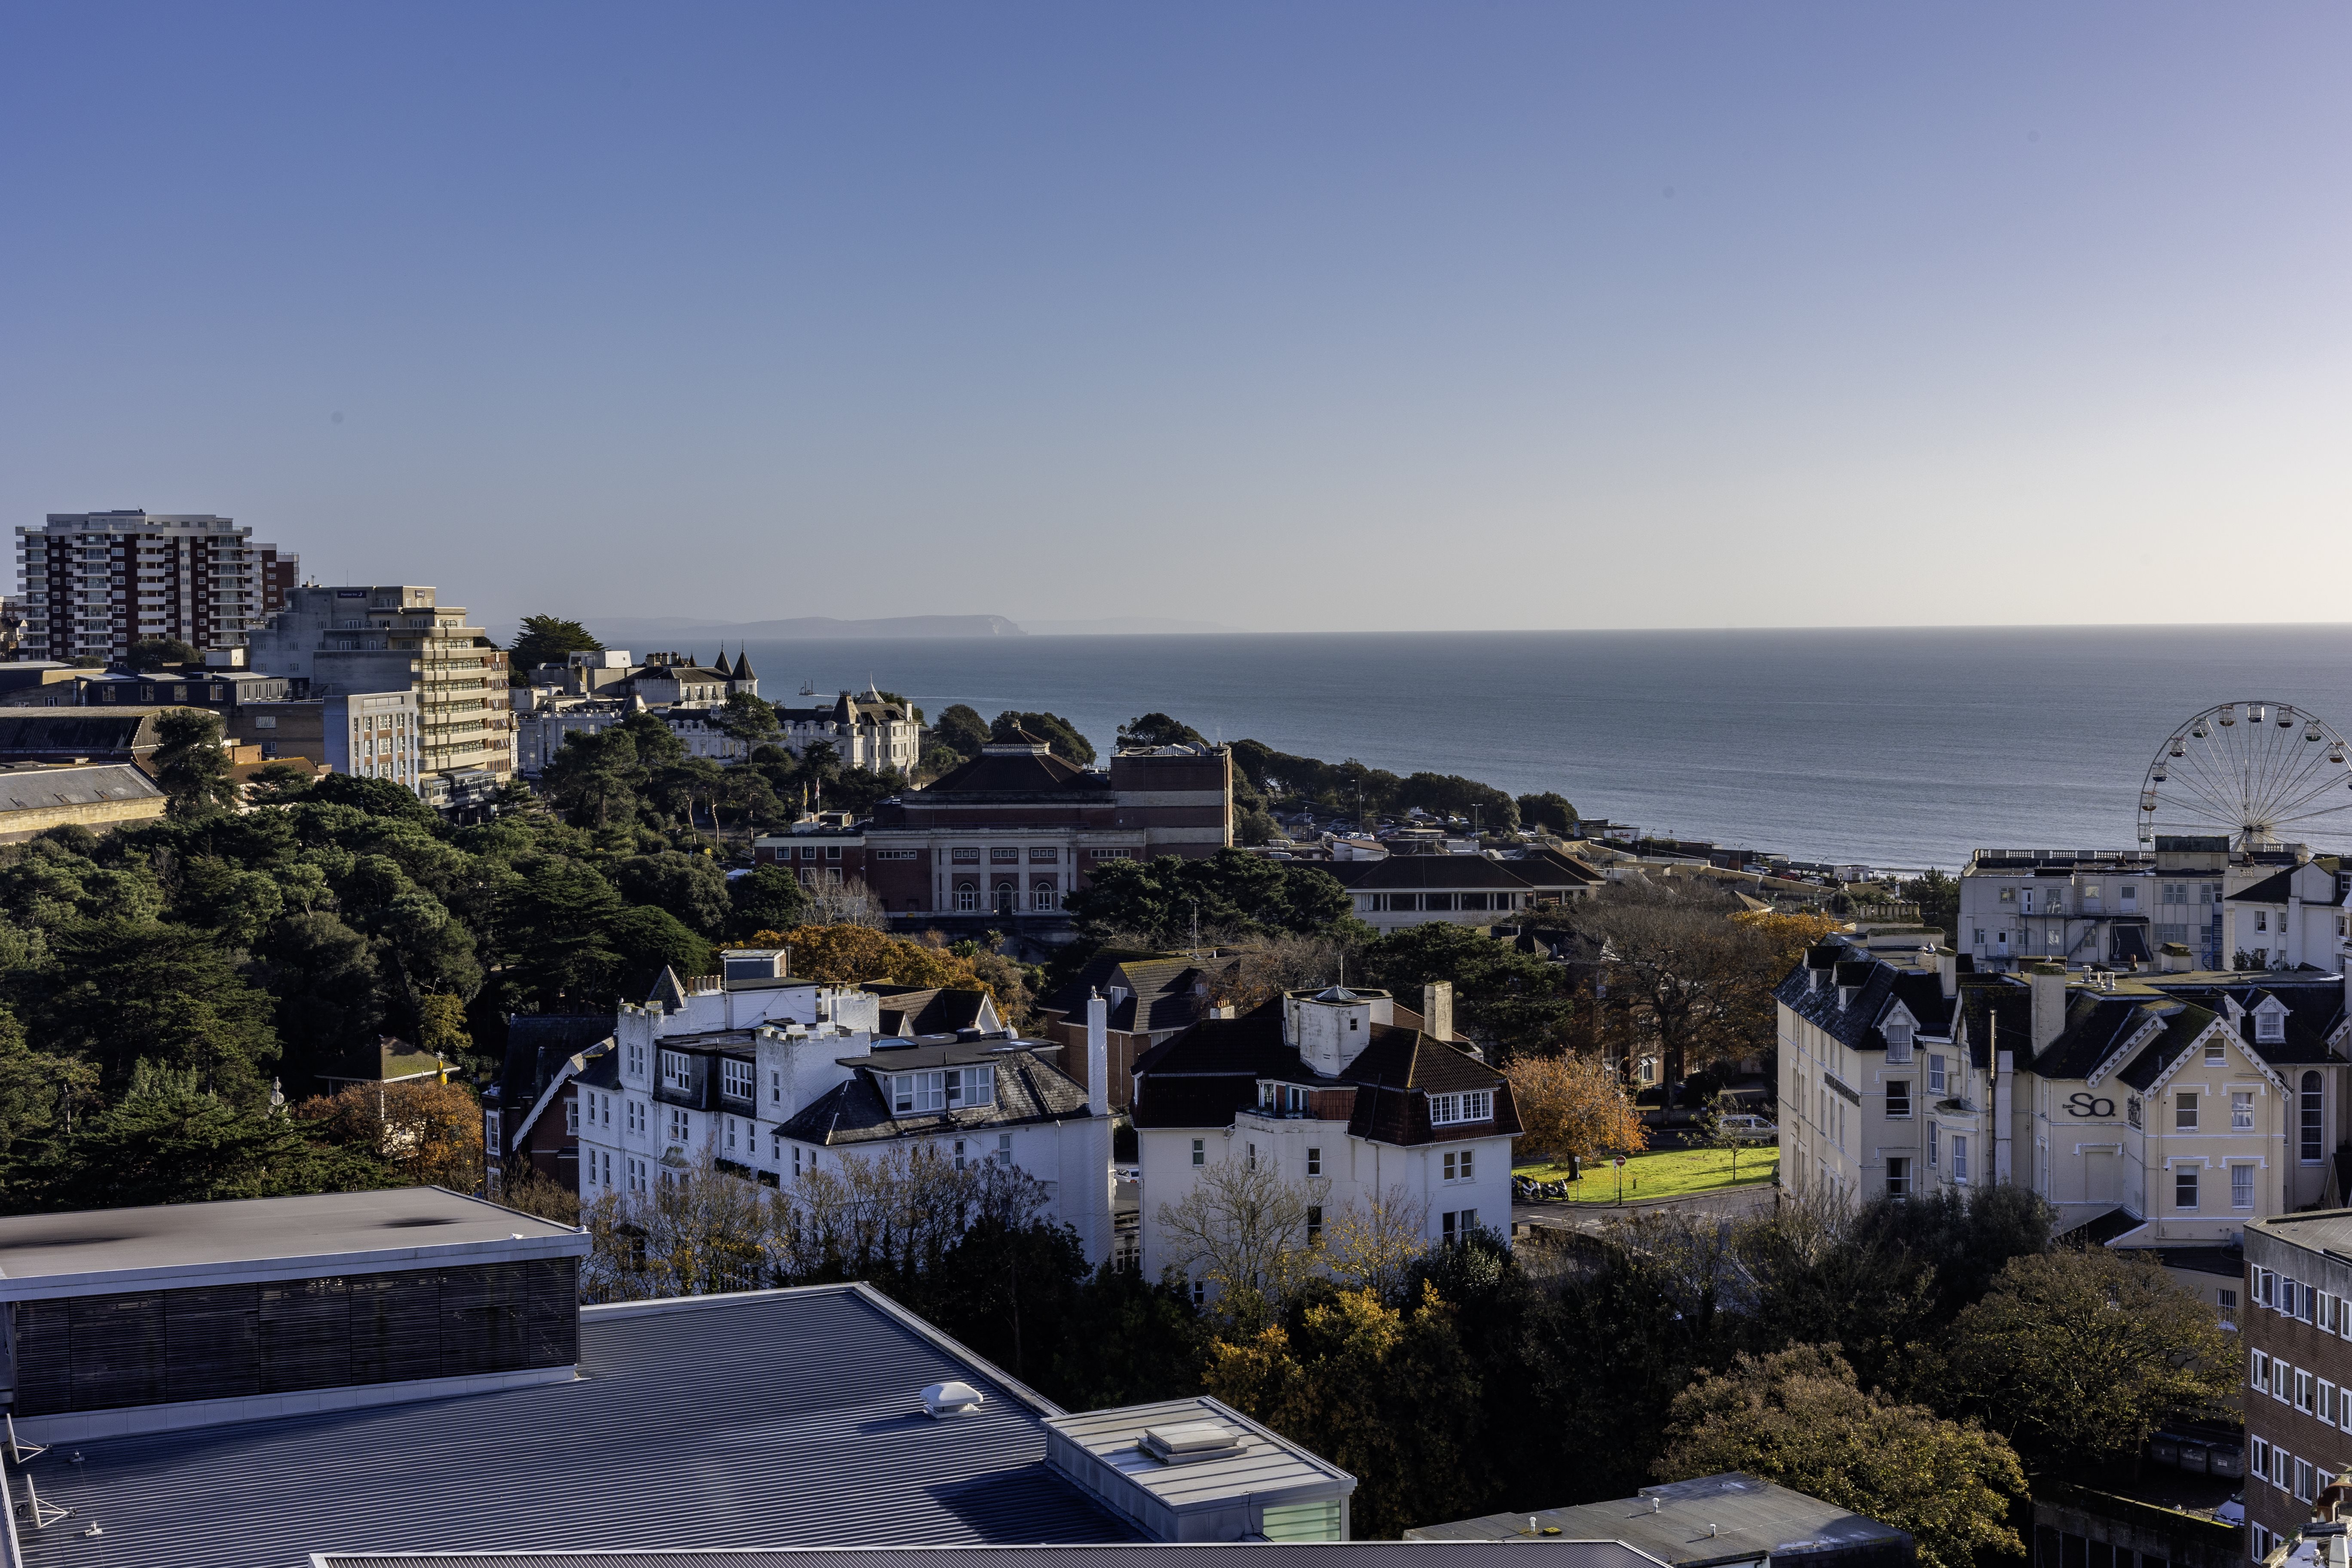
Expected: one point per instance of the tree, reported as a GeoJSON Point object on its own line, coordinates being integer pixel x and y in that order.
{"type": "Point", "coordinates": [1376, 1245]}
{"type": "Point", "coordinates": [1243, 1229]}
{"type": "Point", "coordinates": [1386, 1394]}
{"type": "Point", "coordinates": [1717, 1130]}
{"type": "Point", "coordinates": [960, 730]}
{"type": "Point", "coordinates": [1573, 1107]}
{"type": "Point", "coordinates": [131, 989]}
{"type": "Point", "coordinates": [552, 921]}
{"type": "Point", "coordinates": [376, 797]}
{"type": "Point", "coordinates": [154, 653]}
{"type": "Point", "coordinates": [767, 897]}
{"type": "Point", "coordinates": [546, 639]}
{"type": "Point", "coordinates": [2077, 1355]}
{"type": "Point", "coordinates": [190, 764]}
{"type": "Point", "coordinates": [167, 1140]}
{"type": "Point", "coordinates": [594, 778]}
{"type": "Point", "coordinates": [1232, 893]}
{"type": "Point", "coordinates": [431, 1134]}
{"type": "Point", "coordinates": [1549, 811]}
{"type": "Point", "coordinates": [40, 1093]}
{"type": "Point", "coordinates": [843, 954]}
{"type": "Point", "coordinates": [689, 886]}
{"type": "Point", "coordinates": [1507, 1000]}
{"type": "Point", "coordinates": [1698, 980]}
{"type": "Point", "coordinates": [1797, 1417]}
{"type": "Point", "coordinates": [750, 719]}
{"type": "Point", "coordinates": [645, 939]}
{"type": "Point", "coordinates": [1057, 732]}
{"type": "Point", "coordinates": [1939, 898]}
{"type": "Point", "coordinates": [1159, 730]}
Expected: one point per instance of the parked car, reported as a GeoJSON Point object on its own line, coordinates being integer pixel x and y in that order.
{"type": "Point", "coordinates": [1755, 1128]}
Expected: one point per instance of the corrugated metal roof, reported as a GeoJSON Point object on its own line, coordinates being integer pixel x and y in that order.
{"type": "Point", "coordinates": [1560, 1553]}
{"type": "Point", "coordinates": [770, 1419]}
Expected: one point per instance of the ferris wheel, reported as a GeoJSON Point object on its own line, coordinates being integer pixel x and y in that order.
{"type": "Point", "coordinates": [2262, 772]}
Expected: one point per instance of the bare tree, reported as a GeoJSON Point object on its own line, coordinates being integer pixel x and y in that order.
{"type": "Point", "coordinates": [1264, 966]}
{"type": "Point", "coordinates": [1244, 1228]}
{"type": "Point", "coordinates": [1372, 1246]}
{"type": "Point", "coordinates": [849, 903]}
{"type": "Point", "coordinates": [1691, 971]}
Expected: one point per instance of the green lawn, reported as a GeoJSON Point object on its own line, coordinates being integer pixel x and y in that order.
{"type": "Point", "coordinates": [1661, 1176]}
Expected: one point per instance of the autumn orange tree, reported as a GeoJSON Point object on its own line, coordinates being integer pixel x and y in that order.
{"type": "Point", "coordinates": [1573, 1105]}
{"type": "Point", "coordinates": [431, 1134]}
{"type": "Point", "coordinates": [845, 954]}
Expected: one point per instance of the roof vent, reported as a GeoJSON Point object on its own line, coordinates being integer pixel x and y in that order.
{"type": "Point", "coordinates": [1189, 1442]}
{"type": "Point", "coordinates": [942, 1400]}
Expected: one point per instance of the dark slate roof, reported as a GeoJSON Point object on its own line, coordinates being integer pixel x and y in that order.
{"type": "Point", "coordinates": [2181, 1030]}
{"type": "Point", "coordinates": [1203, 1077]}
{"type": "Point", "coordinates": [1162, 991]}
{"type": "Point", "coordinates": [1877, 986]}
{"type": "Point", "coordinates": [771, 1419]}
{"type": "Point", "coordinates": [1027, 1091]}
{"type": "Point", "coordinates": [537, 1046]}
{"type": "Point", "coordinates": [1996, 1008]}
{"type": "Point", "coordinates": [78, 731]}
{"type": "Point", "coordinates": [1000, 770]}
{"type": "Point", "coordinates": [1545, 866]}
{"type": "Point", "coordinates": [2275, 889]}
{"type": "Point", "coordinates": [2098, 1024]}
{"type": "Point", "coordinates": [2314, 1014]}
{"type": "Point", "coordinates": [1416, 871]}
{"type": "Point", "coordinates": [911, 1010]}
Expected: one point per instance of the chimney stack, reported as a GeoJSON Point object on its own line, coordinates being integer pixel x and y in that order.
{"type": "Point", "coordinates": [1947, 970]}
{"type": "Point", "coordinates": [1098, 1056]}
{"type": "Point", "coordinates": [2049, 982]}
{"type": "Point", "coordinates": [1437, 1009]}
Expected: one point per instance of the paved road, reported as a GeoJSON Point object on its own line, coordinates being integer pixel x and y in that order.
{"type": "Point", "coordinates": [1727, 1202]}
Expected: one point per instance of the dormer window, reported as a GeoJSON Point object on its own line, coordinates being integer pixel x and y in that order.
{"type": "Point", "coordinates": [2270, 1025]}
{"type": "Point", "coordinates": [916, 1093]}
{"type": "Point", "coordinates": [677, 1070]}
{"type": "Point", "coordinates": [1472, 1105]}
{"type": "Point", "coordinates": [735, 1079]}
{"type": "Point", "coordinates": [1898, 1040]}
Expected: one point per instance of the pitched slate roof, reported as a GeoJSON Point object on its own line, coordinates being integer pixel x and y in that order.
{"type": "Point", "coordinates": [1205, 1075]}
{"type": "Point", "coordinates": [2314, 1014]}
{"type": "Point", "coordinates": [1876, 986]}
{"type": "Point", "coordinates": [1027, 1091]}
{"type": "Point", "coordinates": [1417, 871]}
{"type": "Point", "coordinates": [911, 1010]}
{"type": "Point", "coordinates": [2278, 887]}
{"type": "Point", "coordinates": [1996, 1012]}
{"type": "Point", "coordinates": [2182, 1027]}
{"type": "Point", "coordinates": [2098, 1023]}
{"type": "Point", "coordinates": [1163, 992]}
{"type": "Point", "coordinates": [1001, 771]}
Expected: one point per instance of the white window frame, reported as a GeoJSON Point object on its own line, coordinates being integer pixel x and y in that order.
{"type": "Point", "coordinates": [1935, 1072]}
{"type": "Point", "coordinates": [737, 1080]}
{"type": "Point", "coordinates": [677, 1070]}
{"type": "Point", "coordinates": [2241, 1110]}
{"type": "Point", "coordinates": [1467, 1106]}
{"type": "Point", "coordinates": [1898, 1043]}
{"type": "Point", "coordinates": [2258, 1371]}
{"type": "Point", "coordinates": [2241, 1176]}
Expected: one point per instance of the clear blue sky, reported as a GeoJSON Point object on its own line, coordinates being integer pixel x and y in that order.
{"type": "Point", "coordinates": [1284, 315]}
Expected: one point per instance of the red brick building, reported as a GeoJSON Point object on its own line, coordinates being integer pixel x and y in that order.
{"type": "Point", "coordinates": [999, 842]}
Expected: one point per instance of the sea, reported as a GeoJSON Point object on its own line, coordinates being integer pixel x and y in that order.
{"type": "Point", "coordinates": [1895, 748]}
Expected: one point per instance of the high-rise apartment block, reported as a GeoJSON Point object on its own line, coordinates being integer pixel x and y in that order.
{"type": "Point", "coordinates": [348, 641]}
{"type": "Point", "coordinates": [97, 582]}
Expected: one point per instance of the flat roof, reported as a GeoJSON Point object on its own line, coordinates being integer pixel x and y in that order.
{"type": "Point", "coordinates": [768, 1419]}
{"type": "Point", "coordinates": [1560, 1554]}
{"type": "Point", "coordinates": [169, 1245]}
{"type": "Point", "coordinates": [1728, 1518]}
{"type": "Point", "coordinates": [1264, 1465]}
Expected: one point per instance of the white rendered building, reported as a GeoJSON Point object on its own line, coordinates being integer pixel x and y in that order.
{"type": "Point", "coordinates": [774, 1078]}
{"type": "Point", "coordinates": [1332, 1093]}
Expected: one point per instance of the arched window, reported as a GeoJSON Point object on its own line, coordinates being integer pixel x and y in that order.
{"type": "Point", "coordinates": [1008, 897]}
{"type": "Point", "coordinates": [1041, 897]}
{"type": "Point", "coordinates": [967, 897]}
{"type": "Point", "coordinates": [2313, 1104]}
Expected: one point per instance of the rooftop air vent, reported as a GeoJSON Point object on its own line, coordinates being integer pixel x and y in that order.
{"type": "Point", "coordinates": [942, 1400]}
{"type": "Point", "coordinates": [1189, 1442]}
